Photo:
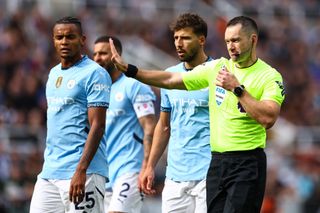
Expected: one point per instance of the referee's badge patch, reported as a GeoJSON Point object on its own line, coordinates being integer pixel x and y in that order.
{"type": "Point", "coordinates": [220, 94]}
{"type": "Point", "coordinates": [58, 82]}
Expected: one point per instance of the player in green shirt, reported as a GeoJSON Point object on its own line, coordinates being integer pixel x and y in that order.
{"type": "Point", "coordinates": [245, 95]}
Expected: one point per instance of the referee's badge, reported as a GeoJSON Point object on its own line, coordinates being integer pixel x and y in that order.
{"type": "Point", "coordinates": [58, 82]}
{"type": "Point", "coordinates": [220, 94]}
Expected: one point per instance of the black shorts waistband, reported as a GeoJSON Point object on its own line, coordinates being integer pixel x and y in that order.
{"type": "Point", "coordinates": [238, 153]}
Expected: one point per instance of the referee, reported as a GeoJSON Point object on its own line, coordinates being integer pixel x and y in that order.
{"type": "Point", "coordinates": [245, 95]}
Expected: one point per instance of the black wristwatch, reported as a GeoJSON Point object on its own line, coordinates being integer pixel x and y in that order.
{"type": "Point", "coordinates": [238, 91]}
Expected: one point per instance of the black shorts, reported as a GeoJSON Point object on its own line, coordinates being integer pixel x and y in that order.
{"type": "Point", "coordinates": [236, 181]}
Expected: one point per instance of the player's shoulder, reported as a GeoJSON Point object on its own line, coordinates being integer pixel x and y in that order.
{"type": "Point", "coordinates": [128, 82]}
{"type": "Point", "coordinates": [92, 65]}
{"type": "Point", "coordinates": [55, 70]}
{"type": "Point", "coordinates": [56, 67]}
{"type": "Point", "coordinates": [134, 88]}
{"type": "Point", "coordinates": [176, 68]}
{"type": "Point", "coordinates": [92, 68]}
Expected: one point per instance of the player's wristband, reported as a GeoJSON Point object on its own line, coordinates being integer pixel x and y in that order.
{"type": "Point", "coordinates": [131, 71]}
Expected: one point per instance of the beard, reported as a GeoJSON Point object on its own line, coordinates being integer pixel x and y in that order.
{"type": "Point", "coordinates": [189, 56]}
{"type": "Point", "coordinates": [110, 68]}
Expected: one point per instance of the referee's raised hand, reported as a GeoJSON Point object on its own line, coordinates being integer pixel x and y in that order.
{"type": "Point", "coordinates": [116, 58]}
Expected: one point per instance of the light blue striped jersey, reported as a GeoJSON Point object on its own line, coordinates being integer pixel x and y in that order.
{"type": "Point", "coordinates": [124, 134]}
{"type": "Point", "coordinates": [189, 152]}
{"type": "Point", "coordinates": [69, 93]}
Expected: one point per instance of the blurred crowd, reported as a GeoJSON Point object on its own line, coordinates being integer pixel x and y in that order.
{"type": "Point", "coordinates": [288, 41]}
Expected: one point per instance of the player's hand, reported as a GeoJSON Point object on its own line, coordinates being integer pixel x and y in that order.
{"type": "Point", "coordinates": [147, 181]}
{"type": "Point", "coordinates": [77, 187]}
{"type": "Point", "coordinates": [226, 79]}
{"type": "Point", "coordinates": [116, 58]}
{"type": "Point", "coordinates": [140, 179]}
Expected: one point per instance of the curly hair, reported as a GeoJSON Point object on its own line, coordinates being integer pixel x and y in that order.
{"type": "Point", "coordinates": [192, 20]}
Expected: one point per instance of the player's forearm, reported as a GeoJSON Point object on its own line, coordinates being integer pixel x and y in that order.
{"type": "Point", "coordinates": [148, 123]}
{"type": "Point", "coordinates": [91, 146]}
{"type": "Point", "coordinates": [264, 112]}
{"type": "Point", "coordinates": [147, 141]}
{"type": "Point", "coordinates": [160, 141]}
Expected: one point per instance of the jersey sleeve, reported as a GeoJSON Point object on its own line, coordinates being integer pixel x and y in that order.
{"type": "Point", "coordinates": [274, 88]}
{"type": "Point", "coordinates": [98, 89]}
{"type": "Point", "coordinates": [142, 99]}
{"type": "Point", "coordinates": [199, 77]}
{"type": "Point", "coordinates": [165, 105]}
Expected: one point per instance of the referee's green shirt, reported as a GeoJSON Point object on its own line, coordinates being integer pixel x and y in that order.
{"type": "Point", "coordinates": [231, 129]}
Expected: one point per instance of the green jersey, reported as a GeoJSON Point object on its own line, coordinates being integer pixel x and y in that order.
{"type": "Point", "coordinates": [231, 129]}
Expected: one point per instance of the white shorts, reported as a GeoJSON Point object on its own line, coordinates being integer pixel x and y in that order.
{"type": "Point", "coordinates": [126, 196]}
{"type": "Point", "coordinates": [184, 197]}
{"type": "Point", "coordinates": [107, 199]}
{"type": "Point", "coordinates": [52, 196]}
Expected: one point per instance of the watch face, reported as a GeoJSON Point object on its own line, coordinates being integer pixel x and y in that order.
{"type": "Point", "coordinates": [238, 91]}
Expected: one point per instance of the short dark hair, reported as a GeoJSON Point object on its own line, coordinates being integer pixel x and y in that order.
{"type": "Point", "coordinates": [70, 20]}
{"type": "Point", "coordinates": [247, 23]}
{"type": "Point", "coordinates": [116, 42]}
{"type": "Point", "coordinates": [191, 20]}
